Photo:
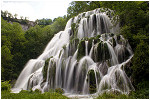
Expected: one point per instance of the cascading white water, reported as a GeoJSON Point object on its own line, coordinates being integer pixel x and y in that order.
{"type": "Point", "coordinates": [88, 53]}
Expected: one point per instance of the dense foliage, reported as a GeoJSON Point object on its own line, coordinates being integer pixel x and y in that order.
{"type": "Point", "coordinates": [5, 86]}
{"type": "Point", "coordinates": [24, 94]}
{"type": "Point", "coordinates": [18, 46]}
{"type": "Point", "coordinates": [77, 7]}
{"type": "Point", "coordinates": [44, 21]}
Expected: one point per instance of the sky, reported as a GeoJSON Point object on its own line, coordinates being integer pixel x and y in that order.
{"type": "Point", "coordinates": [36, 9]}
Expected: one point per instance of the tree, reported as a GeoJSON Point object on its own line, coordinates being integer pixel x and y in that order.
{"type": "Point", "coordinates": [58, 24]}
{"type": "Point", "coordinates": [77, 7]}
{"type": "Point", "coordinates": [12, 49]}
{"type": "Point", "coordinates": [26, 18]}
{"type": "Point", "coordinates": [6, 13]}
{"type": "Point", "coordinates": [44, 21]}
{"type": "Point", "coordinates": [2, 13]}
{"type": "Point", "coordinates": [10, 15]}
{"type": "Point", "coordinates": [15, 16]}
{"type": "Point", "coordinates": [21, 17]}
{"type": "Point", "coordinates": [141, 64]}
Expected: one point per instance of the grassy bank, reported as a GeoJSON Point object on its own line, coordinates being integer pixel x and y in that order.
{"type": "Point", "coordinates": [139, 94]}
{"type": "Point", "coordinates": [32, 95]}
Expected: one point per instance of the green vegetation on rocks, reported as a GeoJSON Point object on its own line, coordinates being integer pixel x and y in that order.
{"type": "Point", "coordinates": [81, 49]}
{"type": "Point", "coordinates": [92, 81]}
{"type": "Point", "coordinates": [45, 67]}
{"type": "Point", "coordinates": [102, 52]}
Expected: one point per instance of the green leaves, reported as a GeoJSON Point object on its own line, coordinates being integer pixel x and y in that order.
{"type": "Point", "coordinates": [140, 63]}
{"type": "Point", "coordinates": [77, 7]}
{"type": "Point", "coordinates": [5, 86]}
{"type": "Point", "coordinates": [19, 46]}
{"type": "Point", "coordinates": [44, 22]}
{"type": "Point", "coordinates": [58, 24]}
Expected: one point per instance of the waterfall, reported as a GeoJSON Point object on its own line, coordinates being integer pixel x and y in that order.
{"type": "Point", "coordinates": [86, 47]}
{"type": "Point", "coordinates": [88, 57]}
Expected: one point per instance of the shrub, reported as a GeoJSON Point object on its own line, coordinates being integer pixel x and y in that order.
{"type": "Point", "coordinates": [5, 86]}
{"type": "Point", "coordinates": [59, 90]}
{"type": "Point", "coordinates": [141, 64]}
{"type": "Point", "coordinates": [37, 91]}
{"type": "Point", "coordinates": [24, 91]}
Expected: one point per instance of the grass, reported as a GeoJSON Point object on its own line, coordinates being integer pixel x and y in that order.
{"type": "Point", "coordinates": [112, 96]}
{"type": "Point", "coordinates": [31, 95]}
{"type": "Point", "coordinates": [139, 94]}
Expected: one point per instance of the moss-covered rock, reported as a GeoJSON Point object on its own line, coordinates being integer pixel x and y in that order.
{"type": "Point", "coordinates": [102, 52]}
{"type": "Point", "coordinates": [93, 39]}
{"type": "Point", "coordinates": [92, 81]}
{"type": "Point", "coordinates": [118, 37]}
{"type": "Point", "coordinates": [44, 71]}
{"type": "Point", "coordinates": [83, 15]}
{"type": "Point", "coordinates": [52, 73]}
{"type": "Point", "coordinates": [74, 30]}
{"type": "Point", "coordinates": [99, 51]}
{"type": "Point", "coordinates": [108, 62]}
{"type": "Point", "coordinates": [95, 22]}
{"type": "Point", "coordinates": [52, 70]}
{"type": "Point", "coordinates": [111, 34]}
{"type": "Point", "coordinates": [73, 46]}
{"type": "Point", "coordinates": [75, 41]}
{"type": "Point", "coordinates": [64, 47]}
{"type": "Point", "coordinates": [106, 52]}
{"type": "Point", "coordinates": [113, 42]}
{"type": "Point", "coordinates": [81, 50]}
{"type": "Point", "coordinates": [90, 40]}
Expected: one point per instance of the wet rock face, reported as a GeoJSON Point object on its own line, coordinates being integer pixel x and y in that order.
{"type": "Point", "coordinates": [103, 68]}
{"type": "Point", "coordinates": [87, 57]}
